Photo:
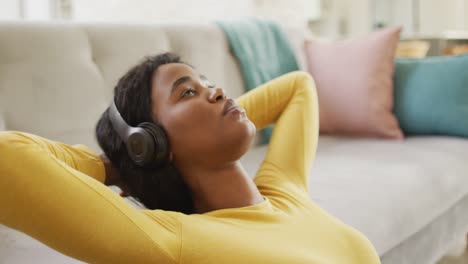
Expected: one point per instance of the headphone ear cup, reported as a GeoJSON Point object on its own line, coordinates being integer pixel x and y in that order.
{"type": "Point", "coordinates": [140, 146]}
{"type": "Point", "coordinates": [160, 143]}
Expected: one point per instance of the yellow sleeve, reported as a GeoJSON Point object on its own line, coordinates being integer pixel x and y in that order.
{"type": "Point", "coordinates": [45, 193]}
{"type": "Point", "coordinates": [291, 101]}
{"type": "Point", "coordinates": [79, 156]}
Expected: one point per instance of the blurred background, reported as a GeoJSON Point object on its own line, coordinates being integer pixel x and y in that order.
{"type": "Point", "coordinates": [430, 27]}
{"type": "Point", "coordinates": [440, 23]}
{"type": "Point", "coordinates": [331, 18]}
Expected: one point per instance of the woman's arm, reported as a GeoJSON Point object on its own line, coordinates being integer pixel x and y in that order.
{"type": "Point", "coordinates": [290, 101]}
{"type": "Point", "coordinates": [78, 157]}
{"type": "Point", "coordinates": [53, 192]}
{"type": "Point", "coordinates": [113, 175]}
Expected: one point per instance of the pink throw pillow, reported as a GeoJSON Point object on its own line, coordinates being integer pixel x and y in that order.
{"type": "Point", "coordinates": [354, 80]}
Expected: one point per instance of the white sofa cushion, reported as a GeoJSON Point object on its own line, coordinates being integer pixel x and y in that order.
{"type": "Point", "coordinates": [49, 83]}
{"type": "Point", "coordinates": [116, 47]}
{"type": "Point", "coordinates": [58, 87]}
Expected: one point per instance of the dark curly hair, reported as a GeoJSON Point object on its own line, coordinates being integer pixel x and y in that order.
{"type": "Point", "coordinates": [157, 188]}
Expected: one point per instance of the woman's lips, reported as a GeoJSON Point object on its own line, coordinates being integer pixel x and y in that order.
{"type": "Point", "coordinates": [230, 103]}
{"type": "Point", "coordinates": [231, 107]}
{"type": "Point", "coordinates": [234, 109]}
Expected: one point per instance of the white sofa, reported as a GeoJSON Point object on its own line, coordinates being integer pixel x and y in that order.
{"type": "Point", "coordinates": [409, 198]}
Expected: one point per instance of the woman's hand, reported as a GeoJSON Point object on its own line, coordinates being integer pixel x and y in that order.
{"type": "Point", "coordinates": [113, 176]}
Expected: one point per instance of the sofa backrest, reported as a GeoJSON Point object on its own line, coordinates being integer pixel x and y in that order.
{"type": "Point", "coordinates": [57, 78]}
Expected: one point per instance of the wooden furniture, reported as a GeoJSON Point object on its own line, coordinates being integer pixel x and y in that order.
{"type": "Point", "coordinates": [448, 43]}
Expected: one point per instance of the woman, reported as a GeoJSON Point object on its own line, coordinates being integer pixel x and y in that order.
{"type": "Point", "coordinates": [202, 206]}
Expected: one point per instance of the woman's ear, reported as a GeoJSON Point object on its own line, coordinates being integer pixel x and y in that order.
{"type": "Point", "coordinates": [171, 156]}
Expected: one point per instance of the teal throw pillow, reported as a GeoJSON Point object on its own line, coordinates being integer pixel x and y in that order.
{"type": "Point", "coordinates": [431, 95]}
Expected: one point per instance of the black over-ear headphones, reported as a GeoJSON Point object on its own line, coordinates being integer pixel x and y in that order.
{"type": "Point", "coordinates": [146, 144]}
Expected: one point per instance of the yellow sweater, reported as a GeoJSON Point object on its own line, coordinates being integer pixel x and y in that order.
{"type": "Point", "coordinates": [54, 192]}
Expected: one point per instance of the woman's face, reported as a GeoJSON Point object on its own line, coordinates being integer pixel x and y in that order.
{"type": "Point", "coordinates": [191, 110]}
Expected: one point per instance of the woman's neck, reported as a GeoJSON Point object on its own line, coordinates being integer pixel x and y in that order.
{"type": "Point", "coordinates": [227, 186]}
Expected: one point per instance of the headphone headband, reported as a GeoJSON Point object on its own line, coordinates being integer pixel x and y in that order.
{"type": "Point", "coordinates": [118, 123]}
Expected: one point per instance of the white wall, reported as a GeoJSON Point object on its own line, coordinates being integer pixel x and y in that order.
{"type": "Point", "coordinates": [435, 16]}
{"type": "Point", "coordinates": [333, 22]}
{"type": "Point", "coordinates": [438, 15]}
{"type": "Point", "coordinates": [402, 14]}
{"type": "Point", "coordinates": [289, 12]}
{"type": "Point", "coordinates": [9, 10]}
{"type": "Point", "coordinates": [33, 10]}
{"type": "Point", "coordinates": [359, 16]}
{"type": "Point", "coordinates": [36, 9]}
{"type": "Point", "coordinates": [159, 10]}
{"type": "Point", "coordinates": [346, 18]}
{"type": "Point", "coordinates": [465, 13]}
{"type": "Point", "coordinates": [338, 18]}
{"type": "Point", "coordinates": [343, 18]}
{"type": "Point", "coordinates": [293, 12]}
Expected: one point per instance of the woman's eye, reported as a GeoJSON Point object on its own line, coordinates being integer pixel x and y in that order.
{"type": "Point", "coordinates": [189, 91]}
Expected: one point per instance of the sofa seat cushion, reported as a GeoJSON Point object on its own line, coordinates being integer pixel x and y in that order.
{"type": "Point", "coordinates": [388, 190]}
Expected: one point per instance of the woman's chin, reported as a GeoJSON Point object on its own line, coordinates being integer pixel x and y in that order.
{"type": "Point", "coordinates": [240, 140]}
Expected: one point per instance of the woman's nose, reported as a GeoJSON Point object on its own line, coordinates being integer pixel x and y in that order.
{"type": "Point", "coordinates": [217, 94]}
